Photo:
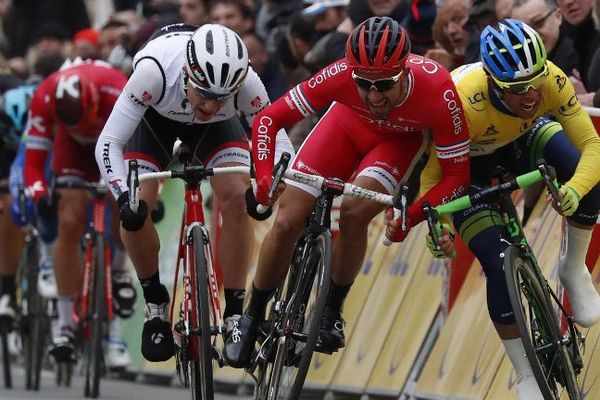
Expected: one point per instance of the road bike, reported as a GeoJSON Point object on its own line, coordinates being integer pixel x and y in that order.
{"type": "Point", "coordinates": [200, 319]}
{"type": "Point", "coordinates": [94, 306]}
{"type": "Point", "coordinates": [555, 354]}
{"type": "Point", "coordinates": [289, 336]}
{"type": "Point", "coordinates": [33, 321]}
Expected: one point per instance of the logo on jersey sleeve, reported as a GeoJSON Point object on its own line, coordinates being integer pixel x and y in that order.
{"type": "Point", "coordinates": [144, 99]}
{"type": "Point", "coordinates": [561, 81]}
{"type": "Point", "coordinates": [256, 102]}
{"type": "Point", "coordinates": [571, 107]}
{"type": "Point", "coordinates": [477, 101]}
{"type": "Point", "coordinates": [455, 110]}
{"type": "Point", "coordinates": [264, 140]}
{"type": "Point", "coordinates": [327, 73]}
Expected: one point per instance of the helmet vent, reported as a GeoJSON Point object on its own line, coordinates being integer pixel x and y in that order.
{"type": "Point", "coordinates": [236, 76]}
{"type": "Point", "coordinates": [224, 74]}
{"type": "Point", "coordinates": [210, 47]}
{"type": "Point", "coordinates": [210, 72]}
{"type": "Point", "coordinates": [240, 48]}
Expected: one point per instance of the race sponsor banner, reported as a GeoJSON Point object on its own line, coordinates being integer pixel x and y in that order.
{"type": "Point", "coordinates": [323, 366]}
{"type": "Point", "coordinates": [401, 265]}
{"type": "Point", "coordinates": [411, 323]}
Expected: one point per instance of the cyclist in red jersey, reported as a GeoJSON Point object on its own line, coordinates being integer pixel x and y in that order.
{"type": "Point", "coordinates": [384, 98]}
{"type": "Point", "coordinates": [68, 111]}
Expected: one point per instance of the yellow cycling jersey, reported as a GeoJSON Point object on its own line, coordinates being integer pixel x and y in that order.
{"type": "Point", "coordinates": [491, 128]}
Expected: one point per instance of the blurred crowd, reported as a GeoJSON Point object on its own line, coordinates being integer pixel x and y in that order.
{"type": "Point", "coordinates": [288, 40]}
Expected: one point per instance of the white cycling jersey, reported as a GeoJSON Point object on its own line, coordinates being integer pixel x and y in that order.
{"type": "Point", "coordinates": [157, 82]}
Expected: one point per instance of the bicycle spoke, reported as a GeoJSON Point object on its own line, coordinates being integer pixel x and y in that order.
{"type": "Point", "coordinates": [547, 351]}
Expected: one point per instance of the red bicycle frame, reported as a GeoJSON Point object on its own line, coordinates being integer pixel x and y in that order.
{"type": "Point", "coordinates": [97, 227]}
{"type": "Point", "coordinates": [193, 214]}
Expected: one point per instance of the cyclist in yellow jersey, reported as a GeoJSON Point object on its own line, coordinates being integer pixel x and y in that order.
{"type": "Point", "coordinates": [520, 107]}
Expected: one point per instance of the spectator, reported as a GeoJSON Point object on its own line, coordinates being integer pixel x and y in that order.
{"type": "Point", "coordinates": [50, 38]}
{"type": "Point", "coordinates": [419, 24]}
{"type": "Point", "coordinates": [482, 14]}
{"type": "Point", "coordinates": [594, 77]}
{"type": "Point", "coordinates": [114, 41]}
{"type": "Point", "coordinates": [327, 15]}
{"type": "Point", "coordinates": [578, 24]}
{"type": "Point", "coordinates": [234, 14]}
{"type": "Point", "coordinates": [85, 44]}
{"type": "Point", "coordinates": [192, 12]}
{"type": "Point", "coordinates": [359, 10]}
{"type": "Point", "coordinates": [265, 67]}
{"type": "Point", "coordinates": [274, 14]}
{"type": "Point", "coordinates": [18, 66]}
{"type": "Point", "coordinates": [294, 41]}
{"type": "Point", "coordinates": [503, 9]}
{"type": "Point", "coordinates": [544, 17]}
{"type": "Point", "coordinates": [449, 30]}
{"type": "Point", "coordinates": [22, 15]}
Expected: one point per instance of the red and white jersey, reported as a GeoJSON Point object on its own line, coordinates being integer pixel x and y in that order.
{"type": "Point", "coordinates": [432, 103]}
{"type": "Point", "coordinates": [43, 126]}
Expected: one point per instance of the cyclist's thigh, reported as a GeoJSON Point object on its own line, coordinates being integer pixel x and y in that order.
{"type": "Point", "coordinates": [294, 208]}
{"type": "Point", "coordinates": [219, 143]}
{"type": "Point", "coordinates": [72, 206]}
{"type": "Point", "coordinates": [72, 160]}
{"type": "Point", "coordinates": [152, 142]}
{"type": "Point", "coordinates": [361, 210]}
{"type": "Point", "coordinates": [333, 148]}
{"type": "Point", "coordinates": [393, 160]}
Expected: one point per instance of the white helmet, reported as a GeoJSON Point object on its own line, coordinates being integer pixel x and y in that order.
{"type": "Point", "coordinates": [216, 60]}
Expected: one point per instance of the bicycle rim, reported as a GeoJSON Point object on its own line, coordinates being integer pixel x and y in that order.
{"type": "Point", "coordinates": [540, 328]}
{"type": "Point", "coordinates": [36, 315]}
{"type": "Point", "coordinates": [202, 367]}
{"type": "Point", "coordinates": [310, 283]}
{"type": "Point", "coordinates": [98, 316]}
{"type": "Point", "coordinates": [6, 360]}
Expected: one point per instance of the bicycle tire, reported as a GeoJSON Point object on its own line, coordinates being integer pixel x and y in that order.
{"type": "Point", "coordinates": [201, 370]}
{"type": "Point", "coordinates": [37, 323]}
{"type": "Point", "coordinates": [98, 316]}
{"type": "Point", "coordinates": [309, 283]}
{"type": "Point", "coordinates": [6, 360]}
{"type": "Point", "coordinates": [539, 326]}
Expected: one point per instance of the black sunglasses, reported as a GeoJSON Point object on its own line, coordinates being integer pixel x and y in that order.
{"type": "Point", "coordinates": [380, 85]}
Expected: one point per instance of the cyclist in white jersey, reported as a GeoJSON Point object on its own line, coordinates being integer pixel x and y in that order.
{"type": "Point", "coordinates": [189, 85]}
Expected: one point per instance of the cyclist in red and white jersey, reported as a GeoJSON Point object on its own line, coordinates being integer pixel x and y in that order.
{"type": "Point", "coordinates": [67, 112]}
{"type": "Point", "coordinates": [187, 83]}
{"type": "Point", "coordinates": [384, 98]}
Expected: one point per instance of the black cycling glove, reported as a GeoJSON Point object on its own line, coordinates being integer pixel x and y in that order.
{"type": "Point", "coordinates": [252, 207]}
{"type": "Point", "coordinates": [132, 221]}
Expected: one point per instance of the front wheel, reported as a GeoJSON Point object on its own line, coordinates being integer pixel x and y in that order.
{"type": "Point", "coordinates": [305, 296]}
{"type": "Point", "coordinates": [98, 314]}
{"type": "Point", "coordinates": [6, 360]}
{"type": "Point", "coordinates": [548, 351]}
{"type": "Point", "coordinates": [201, 363]}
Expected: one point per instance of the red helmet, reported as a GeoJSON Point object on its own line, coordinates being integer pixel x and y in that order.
{"type": "Point", "coordinates": [378, 45]}
{"type": "Point", "coordinates": [75, 99]}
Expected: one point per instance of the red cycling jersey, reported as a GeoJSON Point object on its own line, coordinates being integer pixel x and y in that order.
{"type": "Point", "coordinates": [432, 103]}
{"type": "Point", "coordinates": [70, 143]}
